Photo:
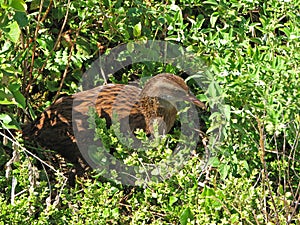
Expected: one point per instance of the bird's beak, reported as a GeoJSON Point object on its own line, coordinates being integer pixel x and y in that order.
{"type": "Point", "coordinates": [191, 98]}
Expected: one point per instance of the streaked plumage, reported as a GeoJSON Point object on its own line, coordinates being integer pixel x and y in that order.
{"type": "Point", "coordinates": [155, 102]}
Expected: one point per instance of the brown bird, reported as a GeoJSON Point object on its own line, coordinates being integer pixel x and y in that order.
{"type": "Point", "coordinates": [131, 106]}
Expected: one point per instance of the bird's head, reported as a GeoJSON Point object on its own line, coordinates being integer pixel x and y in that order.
{"type": "Point", "coordinates": [170, 88]}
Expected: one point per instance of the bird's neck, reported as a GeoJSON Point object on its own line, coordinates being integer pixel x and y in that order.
{"type": "Point", "coordinates": [155, 108]}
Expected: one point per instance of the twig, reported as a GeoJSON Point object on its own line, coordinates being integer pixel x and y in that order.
{"type": "Point", "coordinates": [295, 208]}
{"type": "Point", "coordinates": [68, 65]}
{"type": "Point", "coordinates": [47, 11]}
{"type": "Point", "coordinates": [34, 48]}
{"type": "Point", "coordinates": [15, 156]}
{"type": "Point", "coordinates": [57, 39]}
{"type": "Point", "coordinates": [262, 158]}
{"type": "Point", "coordinates": [13, 188]}
{"type": "Point", "coordinates": [28, 152]}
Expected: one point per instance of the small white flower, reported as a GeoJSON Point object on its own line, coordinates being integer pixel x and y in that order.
{"type": "Point", "coordinates": [170, 27]}
{"type": "Point", "coordinates": [261, 83]}
{"type": "Point", "coordinates": [223, 42]}
{"type": "Point", "coordinates": [293, 36]}
{"type": "Point", "coordinates": [237, 73]}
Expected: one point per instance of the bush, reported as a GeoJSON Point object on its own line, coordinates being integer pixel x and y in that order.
{"type": "Point", "coordinates": [251, 49]}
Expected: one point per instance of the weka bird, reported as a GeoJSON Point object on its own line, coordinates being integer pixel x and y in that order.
{"type": "Point", "coordinates": [134, 108]}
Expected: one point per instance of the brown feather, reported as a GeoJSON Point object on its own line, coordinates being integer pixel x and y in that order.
{"type": "Point", "coordinates": [141, 107]}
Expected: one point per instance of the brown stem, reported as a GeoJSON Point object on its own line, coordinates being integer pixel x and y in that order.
{"type": "Point", "coordinates": [67, 66]}
{"type": "Point", "coordinates": [33, 50]}
{"type": "Point", "coordinates": [262, 159]}
{"type": "Point", "coordinates": [47, 11]}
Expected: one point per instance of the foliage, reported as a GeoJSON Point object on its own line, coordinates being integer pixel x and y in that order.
{"type": "Point", "coordinates": [252, 51]}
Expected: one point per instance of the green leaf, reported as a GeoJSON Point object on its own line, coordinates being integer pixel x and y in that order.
{"type": "Point", "coordinates": [52, 85]}
{"type": "Point", "coordinates": [130, 47]}
{"type": "Point", "coordinates": [6, 120]}
{"type": "Point", "coordinates": [213, 18]}
{"type": "Point", "coordinates": [21, 19]}
{"type": "Point", "coordinates": [211, 200]}
{"type": "Point", "coordinates": [226, 111]}
{"type": "Point", "coordinates": [4, 95]}
{"type": "Point", "coordinates": [214, 162]}
{"type": "Point", "coordinates": [208, 192]}
{"type": "Point", "coordinates": [14, 87]}
{"type": "Point", "coordinates": [18, 5]}
{"type": "Point", "coordinates": [246, 166]}
{"type": "Point", "coordinates": [4, 5]}
{"type": "Point", "coordinates": [212, 90]}
{"type": "Point", "coordinates": [211, 2]}
{"type": "Point", "coordinates": [7, 102]}
{"type": "Point", "coordinates": [224, 170]}
{"type": "Point", "coordinates": [202, 97]}
{"type": "Point", "coordinates": [137, 30]}
{"type": "Point", "coordinates": [234, 218]}
{"type": "Point", "coordinates": [213, 128]}
{"type": "Point", "coordinates": [105, 213]}
{"type": "Point", "coordinates": [185, 215]}
{"type": "Point", "coordinates": [20, 99]}
{"type": "Point", "coordinates": [172, 200]}
{"type": "Point", "coordinates": [15, 90]}
{"type": "Point", "coordinates": [13, 32]}
{"type": "Point", "coordinates": [115, 212]}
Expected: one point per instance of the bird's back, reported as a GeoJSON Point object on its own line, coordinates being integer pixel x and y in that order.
{"type": "Point", "coordinates": [54, 127]}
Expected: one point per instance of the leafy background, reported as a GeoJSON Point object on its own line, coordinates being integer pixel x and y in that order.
{"type": "Point", "coordinates": [252, 48]}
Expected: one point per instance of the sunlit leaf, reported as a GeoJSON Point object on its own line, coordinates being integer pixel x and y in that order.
{"type": "Point", "coordinates": [13, 31]}
{"type": "Point", "coordinates": [137, 30]}
{"type": "Point", "coordinates": [18, 5]}
{"type": "Point", "coordinates": [186, 215]}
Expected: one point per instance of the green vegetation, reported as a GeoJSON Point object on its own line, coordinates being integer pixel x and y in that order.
{"type": "Point", "coordinates": [252, 49]}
